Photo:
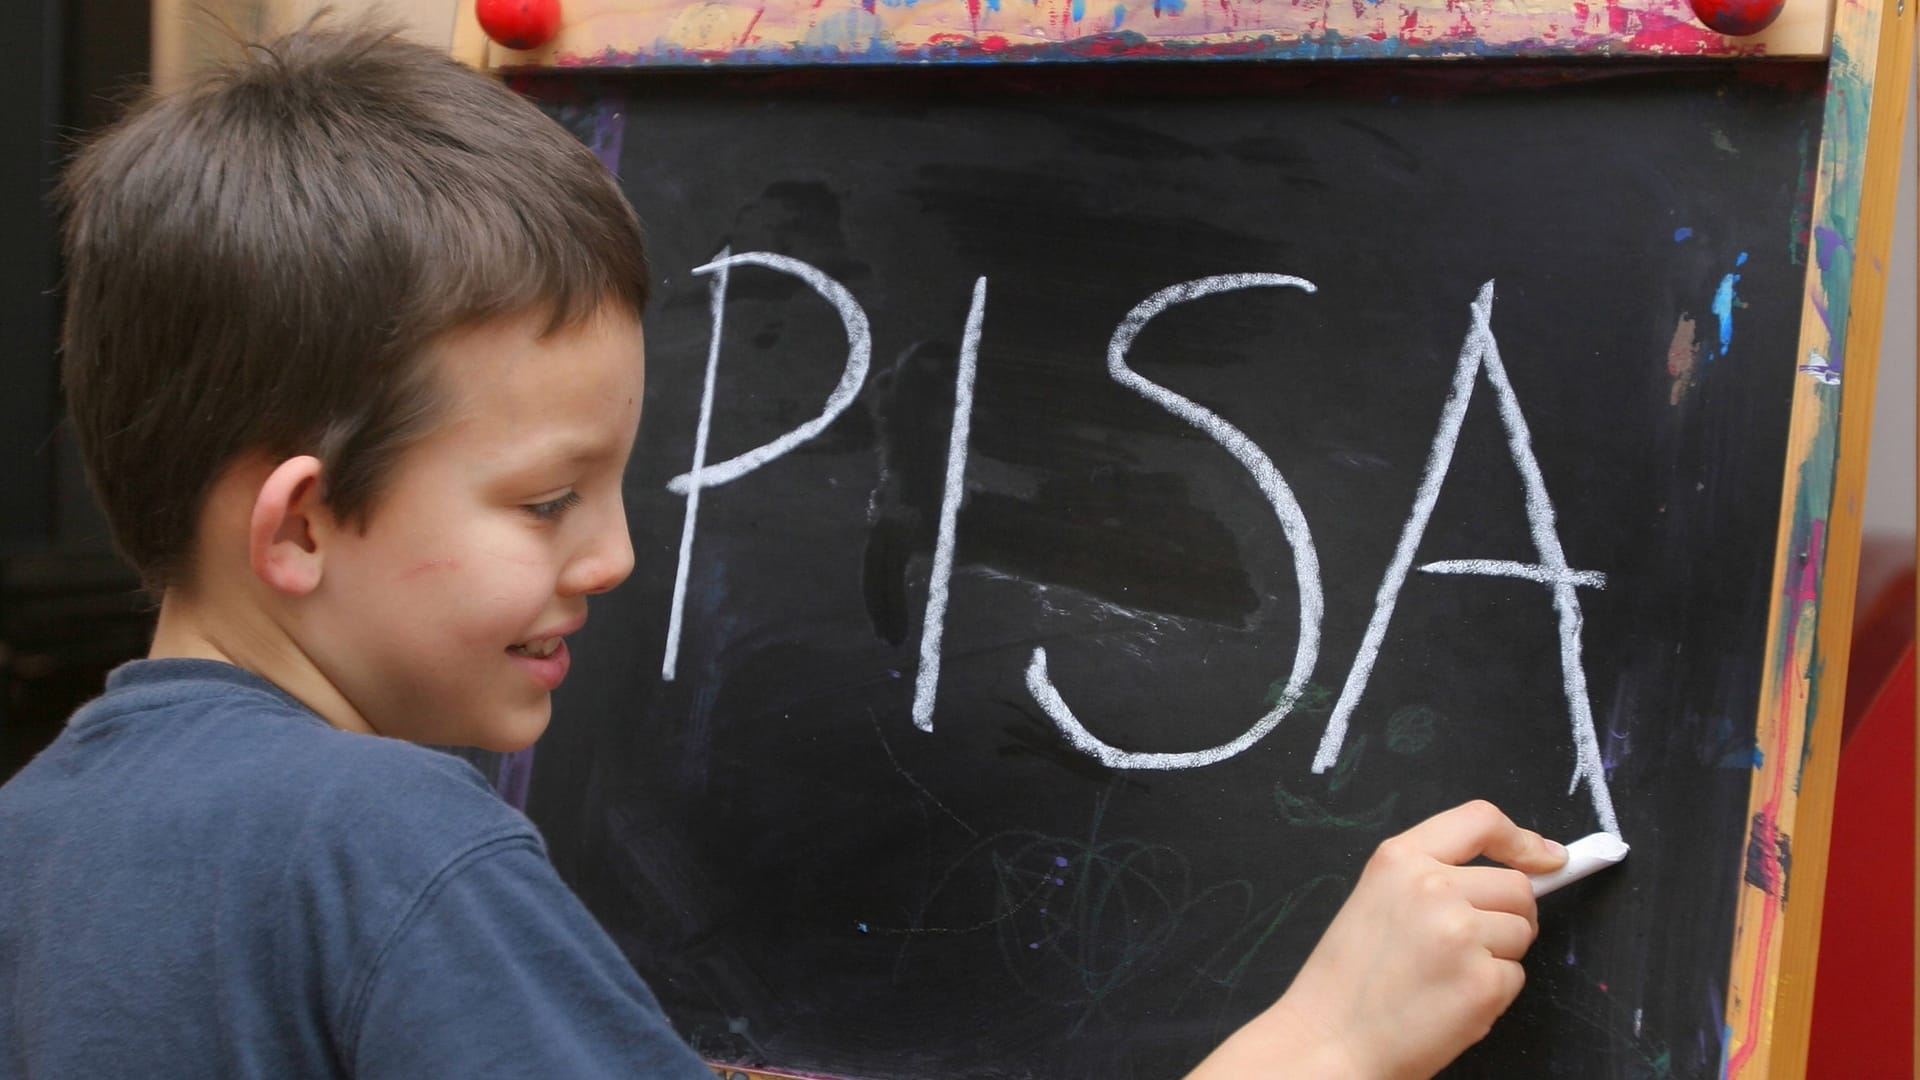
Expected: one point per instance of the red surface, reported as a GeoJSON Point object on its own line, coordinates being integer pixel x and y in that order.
{"type": "Point", "coordinates": [1863, 1004]}
{"type": "Point", "coordinates": [1738, 18]}
{"type": "Point", "coordinates": [519, 24]}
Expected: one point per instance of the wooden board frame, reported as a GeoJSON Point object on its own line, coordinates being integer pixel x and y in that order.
{"type": "Point", "coordinates": [1797, 731]}
{"type": "Point", "coordinates": [646, 33]}
{"type": "Point", "coordinates": [1777, 930]}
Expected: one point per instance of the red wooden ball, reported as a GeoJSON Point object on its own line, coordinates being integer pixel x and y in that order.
{"type": "Point", "coordinates": [1737, 18]}
{"type": "Point", "coordinates": [520, 24]}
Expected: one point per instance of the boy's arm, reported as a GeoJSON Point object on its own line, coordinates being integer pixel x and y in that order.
{"type": "Point", "coordinates": [1417, 965]}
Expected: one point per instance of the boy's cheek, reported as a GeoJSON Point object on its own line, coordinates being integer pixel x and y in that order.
{"type": "Point", "coordinates": [447, 564]}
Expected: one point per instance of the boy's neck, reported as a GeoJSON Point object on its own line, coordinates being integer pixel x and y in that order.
{"type": "Point", "coordinates": [196, 627]}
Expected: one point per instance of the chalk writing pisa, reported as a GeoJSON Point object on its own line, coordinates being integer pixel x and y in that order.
{"type": "Point", "coordinates": [1107, 465]}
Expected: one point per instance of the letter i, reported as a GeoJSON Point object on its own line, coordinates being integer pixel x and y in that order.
{"type": "Point", "coordinates": [928, 680]}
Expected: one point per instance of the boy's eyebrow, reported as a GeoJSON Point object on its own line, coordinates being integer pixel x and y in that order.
{"type": "Point", "coordinates": [567, 450]}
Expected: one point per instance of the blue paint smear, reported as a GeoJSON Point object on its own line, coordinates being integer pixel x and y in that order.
{"type": "Point", "coordinates": [841, 34]}
{"type": "Point", "coordinates": [1169, 7]}
{"type": "Point", "coordinates": [1079, 10]}
{"type": "Point", "coordinates": [875, 48]}
{"type": "Point", "coordinates": [1119, 16]}
{"type": "Point", "coordinates": [1826, 244]}
{"type": "Point", "coordinates": [993, 5]}
{"type": "Point", "coordinates": [1723, 301]}
{"type": "Point", "coordinates": [1682, 233]}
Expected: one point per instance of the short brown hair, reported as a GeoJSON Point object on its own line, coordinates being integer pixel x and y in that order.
{"type": "Point", "coordinates": [258, 262]}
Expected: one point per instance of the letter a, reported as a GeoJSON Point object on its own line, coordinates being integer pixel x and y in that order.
{"type": "Point", "coordinates": [1482, 351]}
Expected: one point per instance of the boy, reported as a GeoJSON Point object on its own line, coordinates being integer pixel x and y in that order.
{"type": "Point", "coordinates": [354, 355]}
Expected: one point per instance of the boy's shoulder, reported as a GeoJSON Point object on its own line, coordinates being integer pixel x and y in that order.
{"type": "Point", "coordinates": [257, 892]}
{"type": "Point", "coordinates": [206, 747]}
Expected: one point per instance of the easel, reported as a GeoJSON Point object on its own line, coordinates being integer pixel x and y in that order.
{"type": "Point", "coordinates": [1813, 682]}
{"type": "Point", "coordinates": [1800, 733]}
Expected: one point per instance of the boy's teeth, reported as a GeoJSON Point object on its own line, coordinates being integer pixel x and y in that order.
{"type": "Point", "coordinates": [540, 648]}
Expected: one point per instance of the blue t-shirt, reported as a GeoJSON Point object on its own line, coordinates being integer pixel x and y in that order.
{"type": "Point", "coordinates": [200, 878]}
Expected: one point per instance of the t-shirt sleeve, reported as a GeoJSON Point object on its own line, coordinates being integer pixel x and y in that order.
{"type": "Point", "coordinates": [499, 971]}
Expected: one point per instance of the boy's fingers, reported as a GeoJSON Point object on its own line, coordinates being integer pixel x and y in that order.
{"type": "Point", "coordinates": [1506, 936]}
{"type": "Point", "coordinates": [1530, 853]}
{"type": "Point", "coordinates": [1478, 828]}
{"type": "Point", "coordinates": [1496, 888]}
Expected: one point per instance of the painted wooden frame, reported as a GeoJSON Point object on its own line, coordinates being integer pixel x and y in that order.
{"type": "Point", "coordinates": [1869, 44]}
{"type": "Point", "coordinates": [1816, 557]}
{"type": "Point", "coordinates": [645, 33]}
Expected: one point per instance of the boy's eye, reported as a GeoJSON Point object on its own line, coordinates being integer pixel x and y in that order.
{"type": "Point", "coordinates": [553, 508]}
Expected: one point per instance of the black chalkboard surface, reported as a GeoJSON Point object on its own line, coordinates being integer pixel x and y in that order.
{"type": "Point", "coordinates": [1526, 335]}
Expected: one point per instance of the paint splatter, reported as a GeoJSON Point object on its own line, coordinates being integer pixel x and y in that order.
{"type": "Point", "coordinates": [1828, 243]}
{"type": "Point", "coordinates": [1819, 367]}
{"type": "Point", "coordinates": [1769, 857]}
{"type": "Point", "coordinates": [1683, 357]}
{"type": "Point", "coordinates": [1724, 301]}
{"type": "Point", "coordinates": [1682, 234]}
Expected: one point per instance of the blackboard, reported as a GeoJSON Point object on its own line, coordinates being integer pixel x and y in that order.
{"type": "Point", "coordinates": [1613, 256]}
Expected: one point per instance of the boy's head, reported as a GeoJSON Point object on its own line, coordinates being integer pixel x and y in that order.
{"type": "Point", "coordinates": [353, 354]}
{"type": "Point", "coordinates": [258, 262]}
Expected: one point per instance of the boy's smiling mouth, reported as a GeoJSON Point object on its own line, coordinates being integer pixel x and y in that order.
{"type": "Point", "coordinates": [546, 659]}
{"type": "Point", "coordinates": [538, 648]}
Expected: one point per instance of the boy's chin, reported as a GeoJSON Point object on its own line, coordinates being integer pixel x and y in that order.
{"type": "Point", "coordinates": [517, 739]}
{"type": "Point", "coordinates": [511, 733]}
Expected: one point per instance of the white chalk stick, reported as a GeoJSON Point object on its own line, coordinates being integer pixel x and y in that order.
{"type": "Point", "coordinates": [1587, 855]}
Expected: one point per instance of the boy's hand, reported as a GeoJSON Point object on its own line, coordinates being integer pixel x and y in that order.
{"type": "Point", "coordinates": [1417, 965]}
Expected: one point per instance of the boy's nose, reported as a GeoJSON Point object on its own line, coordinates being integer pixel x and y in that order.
{"type": "Point", "coordinates": [605, 563]}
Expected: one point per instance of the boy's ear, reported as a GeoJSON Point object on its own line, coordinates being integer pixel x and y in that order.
{"type": "Point", "coordinates": [281, 538]}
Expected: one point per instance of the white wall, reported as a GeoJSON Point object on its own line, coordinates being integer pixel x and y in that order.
{"type": "Point", "coordinates": [189, 33]}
